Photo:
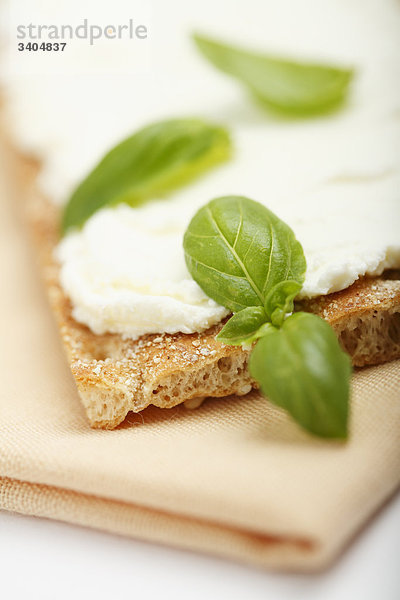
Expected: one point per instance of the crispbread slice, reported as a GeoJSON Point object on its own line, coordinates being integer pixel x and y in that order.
{"type": "Point", "coordinates": [114, 375]}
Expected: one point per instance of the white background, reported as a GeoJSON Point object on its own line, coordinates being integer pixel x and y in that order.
{"type": "Point", "coordinates": [50, 560]}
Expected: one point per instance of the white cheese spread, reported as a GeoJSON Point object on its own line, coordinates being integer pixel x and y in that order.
{"type": "Point", "coordinates": [125, 273]}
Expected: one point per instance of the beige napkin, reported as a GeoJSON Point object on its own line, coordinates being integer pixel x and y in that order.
{"type": "Point", "coordinates": [235, 478]}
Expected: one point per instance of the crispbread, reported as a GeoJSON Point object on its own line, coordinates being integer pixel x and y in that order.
{"type": "Point", "coordinates": [115, 375]}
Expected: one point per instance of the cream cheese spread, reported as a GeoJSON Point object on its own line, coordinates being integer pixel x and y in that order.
{"type": "Point", "coordinates": [335, 179]}
{"type": "Point", "coordinates": [125, 273]}
{"type": "Point", "coordinates": [125, 270]}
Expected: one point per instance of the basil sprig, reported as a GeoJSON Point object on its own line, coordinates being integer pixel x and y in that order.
{"type": "Point", "coordinates": [155, 160]}
{"type": "Point", "coordinates": [245, 258]}
{"type": "Point", "coordinates": [291, 87]}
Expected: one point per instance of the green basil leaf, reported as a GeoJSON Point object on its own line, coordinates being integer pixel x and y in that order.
{"type": "Point", "coordinates": [292, 87]}
{"type": "Point", "coordinates": [237, 251]}
{"type": "Point", "coordinates": [153, 161]}
{"type": "Point", "coordinates": [279, 301]}
{"type": "Point", "coordinates": [261, 332]}
{"type": "Point", "coordinates": [302, 369]}
{"type": "Point", "coordinates": [243, 326]}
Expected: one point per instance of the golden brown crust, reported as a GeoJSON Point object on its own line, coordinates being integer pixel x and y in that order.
{"type": "Point", "coordinates": [116, 375]}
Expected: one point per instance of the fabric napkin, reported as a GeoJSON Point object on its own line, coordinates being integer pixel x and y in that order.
{"type": "Point", "coordinates": [235, 478]}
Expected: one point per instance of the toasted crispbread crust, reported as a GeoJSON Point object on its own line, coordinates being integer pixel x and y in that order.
{"type": "Point", "coordinates": [365, 317]}
{"type": "Point", "coordinates": [115, 376]}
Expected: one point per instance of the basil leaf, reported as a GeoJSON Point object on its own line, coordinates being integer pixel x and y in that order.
{"type": "Point", "coordinates": [302, 369]}
{"type": "Point", "coordinates": [237, 251]}
{"type": "Point", "coordinates": [279, 301]}
{"type": "Point", "coordinates": [153, 161]}
{"type": "Point", "coordinates": [292, 87]}
{"type": "Point", "coordinates": [243, 326]}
